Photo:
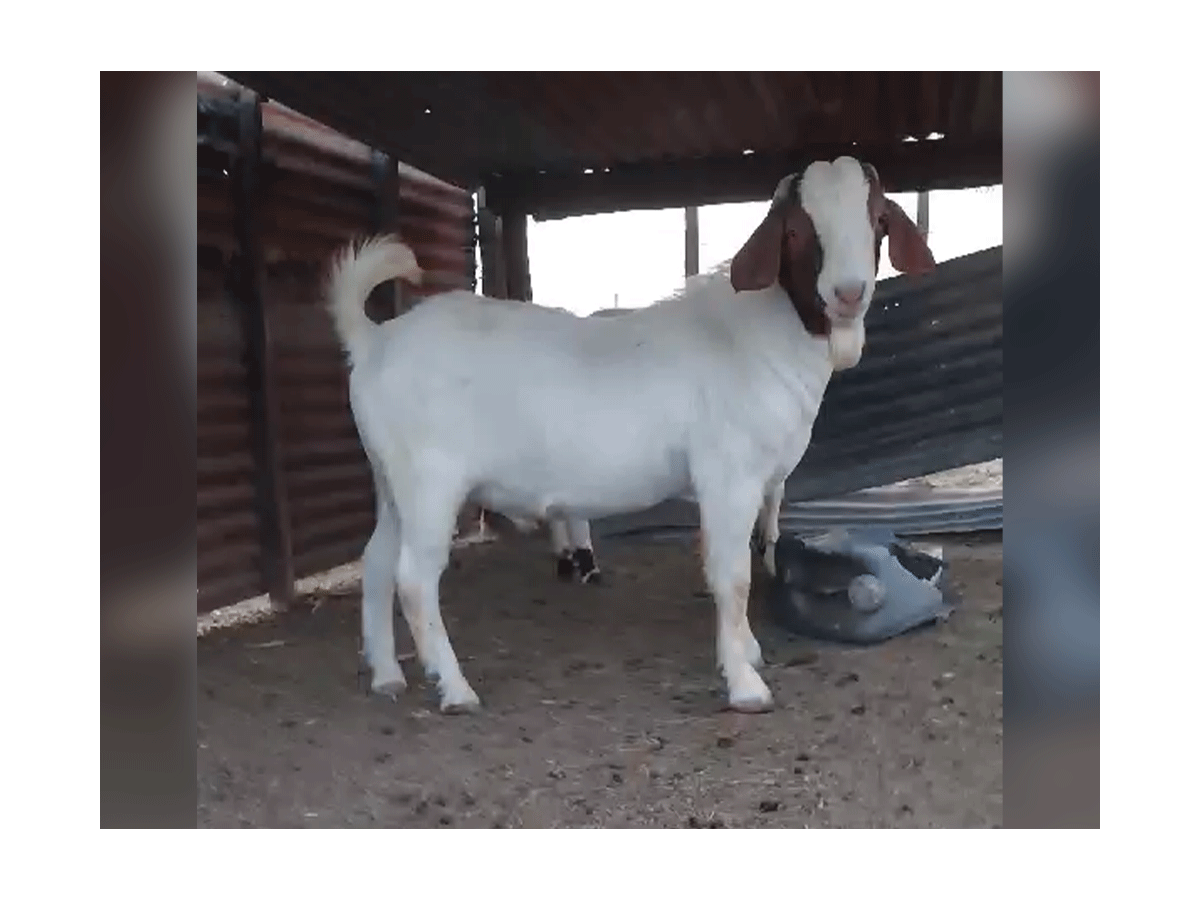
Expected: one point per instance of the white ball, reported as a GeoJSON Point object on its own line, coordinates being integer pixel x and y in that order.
{"type": "Point", "coordinates": [866, 593]}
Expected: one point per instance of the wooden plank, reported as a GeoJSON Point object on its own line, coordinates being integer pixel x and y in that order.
{"type": "Point", "coordinates": [986, 117]}
{"type": "Point", "coordinates": [903, 167]}
{"type": "Point", "coordinates": [930, 102]}
{"type": "Point", "coordinates": [270, 487]}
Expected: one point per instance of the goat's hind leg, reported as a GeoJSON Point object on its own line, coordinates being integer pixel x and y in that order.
{"type": "Point", "coordinates": [424, 551]}
{"type": "Point", "coordinates": [378, 595]}
{"type": "Point", "coordinates": [582, 554]}
{"type": "Point", "coordinates": [560, 541]}
{"type": "Point", "coordinates": [767, 529]}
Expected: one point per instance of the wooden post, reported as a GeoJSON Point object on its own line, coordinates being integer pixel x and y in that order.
{"type": "Point", "coordinates": [514, 238]}
{"type": "Point", "coordinates": [691, 241]}
{"type": "Point", "coordinates": [491, 251]}
{"type": "Point", "coordinates": [384, 300]}
{"type": "Point", "coordinates": [275, 525]}
{"type": "Point", "coordinates": [923, 214]}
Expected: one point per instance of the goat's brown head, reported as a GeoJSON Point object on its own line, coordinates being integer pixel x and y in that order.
{"type": "Point", "coordinates": [820, 242]}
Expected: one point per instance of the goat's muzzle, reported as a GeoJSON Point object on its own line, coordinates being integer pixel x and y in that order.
{"type": "Point", "coordinates": [848, 301]}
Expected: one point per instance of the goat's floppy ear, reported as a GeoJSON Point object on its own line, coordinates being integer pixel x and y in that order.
{"type": "Point", "coordinates": [756, 266]}
{"type": "Point", "coordinates": [907, 249]}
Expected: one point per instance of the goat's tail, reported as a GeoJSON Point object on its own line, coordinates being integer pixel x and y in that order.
{"type": "Point", "coordinates": [356, 271]}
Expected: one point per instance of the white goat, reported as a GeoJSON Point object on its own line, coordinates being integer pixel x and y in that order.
{"type": "Point", "coordinates": [537, 413]}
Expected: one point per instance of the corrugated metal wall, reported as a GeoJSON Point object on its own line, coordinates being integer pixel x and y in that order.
{"type": "Point", "coordinates": [316, 190]}
{"type": "Point", "coordinates": [928, 393]}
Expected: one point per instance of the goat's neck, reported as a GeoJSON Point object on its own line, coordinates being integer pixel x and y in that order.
{"type": "Point", "coordinates": [795, 359]}
{"type": "Point", "coordinates": [787, 369]}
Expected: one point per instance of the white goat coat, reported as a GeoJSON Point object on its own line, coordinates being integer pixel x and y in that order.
{"type": "Point", "coordinates": [535, 412]}
{"type": "Point", "coordinates": [539, 414]}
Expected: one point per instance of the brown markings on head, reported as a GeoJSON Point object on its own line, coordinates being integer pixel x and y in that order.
{"type": "Point", "coordinates": [908, 251]}
{"type": "Point", "coordinates": [784, 248]}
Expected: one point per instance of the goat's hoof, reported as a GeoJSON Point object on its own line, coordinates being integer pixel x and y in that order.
{"type": "Point", "coordinates": [565, 568]}
{"type": "Point", "coordinates": [389, 684]}
{"type": "Point", "coordinates": [592, 577]}
{"type": "Point", "coordinates": [753, 696]}
{"type": "Point", "coordinates": [460, 702]}
{"type": "Point", "coordinates": [752, 705]}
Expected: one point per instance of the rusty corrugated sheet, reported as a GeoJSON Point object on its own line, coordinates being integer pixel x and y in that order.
{"type": "Point", "coordinates": [318, 191]}
{"type": "Point", "coordinates": [227, 536]}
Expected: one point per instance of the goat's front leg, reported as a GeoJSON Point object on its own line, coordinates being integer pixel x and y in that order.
{"type": "Point", "coordinates": [764, 540]}
{"type": "Point", "coordinates": [727, 522]}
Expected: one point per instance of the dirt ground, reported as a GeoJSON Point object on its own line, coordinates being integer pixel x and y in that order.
{"type": "Point", "coordinates": [602, 708]}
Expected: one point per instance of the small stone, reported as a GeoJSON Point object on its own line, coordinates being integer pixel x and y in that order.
{"type": "Point", "coordinates": [804, 658]}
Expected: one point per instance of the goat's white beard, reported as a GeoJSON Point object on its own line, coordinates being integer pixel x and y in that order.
{"type": "Point", "coordinates": [846, 342]}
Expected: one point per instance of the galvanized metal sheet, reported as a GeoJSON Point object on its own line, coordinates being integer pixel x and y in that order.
{"type": "Point", "coordinates": [927, 395]}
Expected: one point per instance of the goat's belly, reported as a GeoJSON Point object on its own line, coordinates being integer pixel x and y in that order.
{"type": "Point", "coordinates": [585, 493]}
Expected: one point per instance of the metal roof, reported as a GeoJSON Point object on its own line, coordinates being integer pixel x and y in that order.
{"type": "Point", "coordinates": [559, 143]}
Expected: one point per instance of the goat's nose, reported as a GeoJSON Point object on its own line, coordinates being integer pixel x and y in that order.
{"type": "Point", "coordinates": [850, 295]}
